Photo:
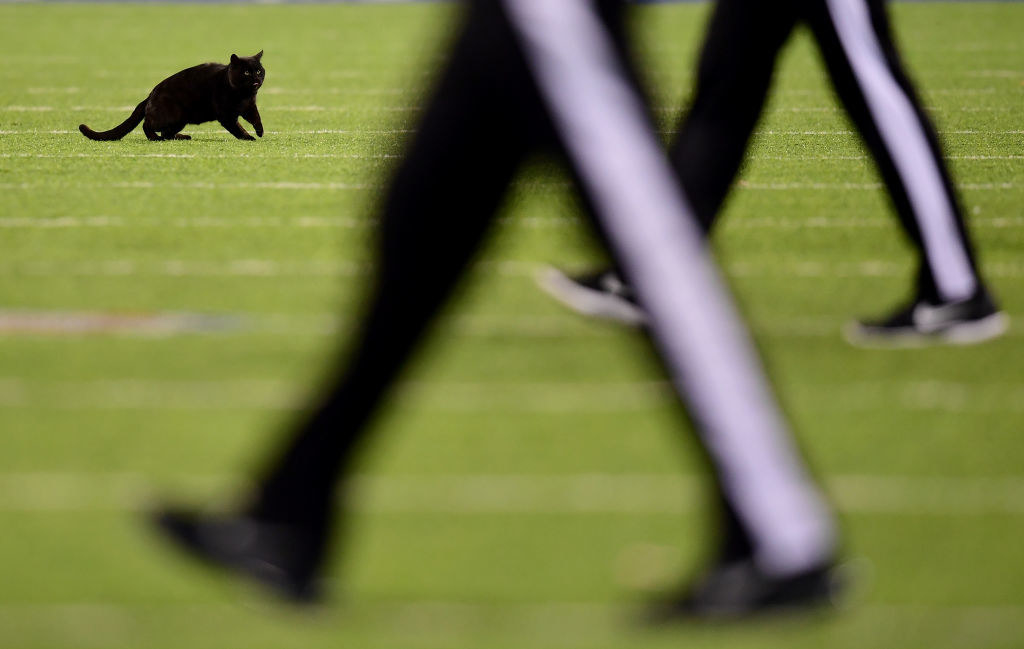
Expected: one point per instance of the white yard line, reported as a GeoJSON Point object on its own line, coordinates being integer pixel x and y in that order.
{"type": "Point", "coordinates": [812, 157]}
{"type": "Point", "coordinates": [268, 156]}
{"type": "Point", "coordinates": [998, 74]}
{"type": "Point", "coordinates": [335, 186]}
{"type": "Point", "coordinates": [494, 397]}
{"type": "Point", "coordinates": [539, 222]}
{"type": "Point", "coordinates": [48, 322]}
{"type": "Point", "coordinates": [273, 90]}
{"type": "Point", "coordinates": [321, 131]}
{"type": "Point", "coordinates": [787, 186]}
{"type": "Point", "coordinates": [882, 220]}
{"type": "Point", "coordinates": [849, 132]}
{"type": "Point", "coordinates": [72, 222]}
{"type": "Point", "coordinates": [463, 621]}
{"type": "Point", "coordinates": [932, 108]}
{"type": "Point", "coordinates": [190, 268]}
{"type": "Point", "coordinates": [255, 267]}
{"type": "Point", "coordinates": [409, 130]}
{"type": "Point", "coordinates": [580, 494]}
{"type": "Point", "coordinates": [143, 184]}
{"type": "Point", "coordinates": [308, 108]}
{"type": "Point", "coordinates": [360, 156]}
{"type": "Point", "coordinates": [317, 108]}
{"type": "Point", "coordinates": [279, 90]}
{"type": "Point", "coordinates": [300, 222]}
{"type": "Point", "coordinates": [41, 323]}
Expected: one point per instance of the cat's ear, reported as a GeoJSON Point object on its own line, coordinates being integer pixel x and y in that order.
{"type": "Point", "coordinates": [234, 58]}
{"type": "Point", "coordinates": [259, 56]}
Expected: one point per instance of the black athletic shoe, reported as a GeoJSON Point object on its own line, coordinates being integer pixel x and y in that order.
{"type": "Point", "coordinates": [600, 295]}
{"type": "Point", "coordinates": [277, 557]}
{"type": "Point", "coordinates": [738, 589]}
{"type": "Point", "coordinates": [920, 323]}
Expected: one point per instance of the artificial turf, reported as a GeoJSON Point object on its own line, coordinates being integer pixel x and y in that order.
{"type": "Point", "coordinates": [532, 480]}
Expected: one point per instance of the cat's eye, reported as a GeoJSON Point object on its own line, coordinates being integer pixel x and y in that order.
{"type": "Point", "coordinates": [246, 73]}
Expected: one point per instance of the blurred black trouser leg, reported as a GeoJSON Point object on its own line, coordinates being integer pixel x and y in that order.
{"type": "Point", "coordinates": [855, 39]}
{"type": "Point", "coordinates": [734, 74]}
{"type": "Point", "coordinates": [482, 119]}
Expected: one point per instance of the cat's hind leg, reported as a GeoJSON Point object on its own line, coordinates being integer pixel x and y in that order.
{"type": "Point", "coordinates": [163, 119]}
{"type": "Point", "coordinates": [172, 132]}
{"type": "Point", "coordinates": [151, 129]}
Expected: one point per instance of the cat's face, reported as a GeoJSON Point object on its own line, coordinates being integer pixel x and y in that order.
{"type": "Point", "coordinates": [246, 72]}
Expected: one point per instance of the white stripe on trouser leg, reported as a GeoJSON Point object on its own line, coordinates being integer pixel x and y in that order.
{"type": "Point", "coordinates": [602, 121]}
{"type": "Point", "coordinates": [904, 138]}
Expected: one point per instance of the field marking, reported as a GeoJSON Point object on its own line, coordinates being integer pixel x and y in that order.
{"type": "Point", "coordinates": [192, 268]}
{"type": "Point", "coordinates": [46, 90]}
{"type": "Point", "coordinates": [784, 158]}
{"type": "Point", "coordinates": [787, 186]}
{"type": "Point", "coordinates": [287, 156]}
{"type": "Point", "coordinates": [245, 267]}
{"type": "Point", "coordinates": [359, 156]}
{"type": "Point", "coordinates": [865, 268]}
{"type": "Point", "coordinates": [410, 130]}
{"type": "Point", "coordinates": [336, 186]}
{"type": "Point", "coordinates": [145, 184]}
{"type": "Point", "coordinates": [540, 222]}
{"type": "Point", "coordinates": [71, 222]}
{"type": "Point", "coordinates": [405, 91]}
{"type": "Point", "coordinates": [282, 185]}
{"type": "Point", "coordinates": [77, 323]}
{"type": "Point", "coordinates": [310, 108]}
{"type": "Point", "coordinates": [840, 222]}
{"type": "Point", "coordinates": [998, 74]}
{"type": "Point", "coordinates": [273, 90]}
{"type": "Point", "coordinates": [319, 131]}
{"type": "Point", "coordinates": [256, 267]}
{"type": "Point", "coordinates": [48, 322]}
{"type": "Point", "coordinates": [581, 494]}
{"type": "Point", "coordinates": [494, 397]}
{"type": "Point", "coordinates": [41, 323]}
{"type": "Point", "coordinates": [932, 108]}
{"type": "Point", "coordinates": [849, 132]}
{"type": "Point", "coordinates": [473, 621]}
{"type": "Point", "coordinates": [301, 222]}
{"type": "Point", "coordinates": [468, 621]}
{"type": "Point", "coordinates": [317, 108]}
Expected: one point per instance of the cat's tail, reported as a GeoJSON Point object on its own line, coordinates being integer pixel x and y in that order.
{"type": "Point", "coordinates": [119, 131]}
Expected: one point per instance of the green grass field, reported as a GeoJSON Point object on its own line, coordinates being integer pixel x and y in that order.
{"type": "Point", "coordinates": [166, 306]}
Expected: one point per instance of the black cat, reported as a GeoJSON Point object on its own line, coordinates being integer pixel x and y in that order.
{"type": "Point", "coordinates": [207, 92]}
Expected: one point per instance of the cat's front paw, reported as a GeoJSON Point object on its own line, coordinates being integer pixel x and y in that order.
{"type": "Point", "coordinates": [259, 132]}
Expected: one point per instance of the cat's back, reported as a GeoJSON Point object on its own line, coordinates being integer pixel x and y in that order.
{"type": "Point", "coordinates": [197, 75]}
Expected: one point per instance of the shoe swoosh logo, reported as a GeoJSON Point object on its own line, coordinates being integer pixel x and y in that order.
{"type": "Point", "coordinates": [928, 318]}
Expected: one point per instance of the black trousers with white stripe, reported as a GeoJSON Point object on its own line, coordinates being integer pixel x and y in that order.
{"type": "Point", "coordinates": [527, 76]}
{"type": "Point", "coordinates": [854, 37]}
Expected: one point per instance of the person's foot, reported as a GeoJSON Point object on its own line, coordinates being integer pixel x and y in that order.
{"type": "Point", "coordinates": [738, 589]}
{"type": "Point", "coordinates": [600, 294]}
{"type": "Point", "coordinates": [920, 323]}
{"type": "Point", "coordinates": [278, 557]}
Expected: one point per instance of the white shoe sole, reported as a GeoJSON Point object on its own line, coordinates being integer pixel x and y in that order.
{"type": "Point", "coordinates": [963, 333]}
{"type": "Point", "coordinates": [588, 302]}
